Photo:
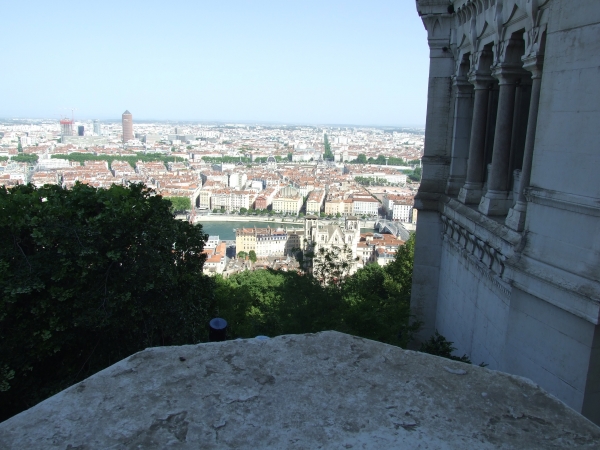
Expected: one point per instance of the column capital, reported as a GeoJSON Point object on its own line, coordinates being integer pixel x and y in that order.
{"type": "Point", "coordinates": [463, 87]}
{"type": "Point", "coordinates": [508, 73]}
{"type": "Point", "coordinates": [534, 64]}
{"type": "Point", "coordinates": [481, 81]}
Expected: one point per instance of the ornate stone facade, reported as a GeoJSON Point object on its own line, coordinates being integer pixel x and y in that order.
{"type": "Point", "coordinates": [507, 258]}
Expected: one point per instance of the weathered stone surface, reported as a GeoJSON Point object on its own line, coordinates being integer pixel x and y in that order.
{"type": "Point", "coordinates": [326, 390]}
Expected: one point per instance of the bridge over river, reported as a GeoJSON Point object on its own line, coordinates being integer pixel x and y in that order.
{"type": "Point", "coordinates": [391, 227]}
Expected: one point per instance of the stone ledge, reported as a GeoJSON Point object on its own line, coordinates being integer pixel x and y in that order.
{"type": "Point", "coordinates": [325, 390]}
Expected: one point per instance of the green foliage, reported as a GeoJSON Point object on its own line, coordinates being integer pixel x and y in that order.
{"type": "Point", "coordinates": [327, 154]}
{"type": "Point", "coordinates": [26, 158]}
{"type": "Point", "coordinates": [132, 160]}
{"type": "Point", "coordinates": [361, 159]}
{"type": "Point", "coordinates": [380, 160]}
{"type": "Point", "coordinates": [373, 303]}
{"type": "Point", "coordinates": [89, 276]}
{"type": "Point", "coordinates": [180, 203]}
{"type": "Point", "coordinates": [438, 345]}
{"type": "Point", "coordinates": [226, 159]}
{"type": "Point", "coordinates": [332, 266]}
{"type": "Point", "coordinates": [369, 181]}
{"type": "Point", "coordinates": [252, 256]}
{"type": "Point", "coordinates": [3, 158]}
{"type": "Point", "coordinates": [242, 255]}
{"type": "Point", "coordinates": [415, 175]}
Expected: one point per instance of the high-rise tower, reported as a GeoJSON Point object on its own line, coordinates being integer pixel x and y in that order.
{"type": "Point", "coordinates": [127, 119]}
{"type": "Point", "coordinates": [66, 127]}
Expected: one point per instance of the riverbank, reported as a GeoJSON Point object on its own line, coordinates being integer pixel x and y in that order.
{"type": "Point", "coordinates": [364, 223]}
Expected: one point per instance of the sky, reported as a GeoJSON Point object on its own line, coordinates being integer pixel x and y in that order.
{"type": "Point", "coordinates": [311, 62]}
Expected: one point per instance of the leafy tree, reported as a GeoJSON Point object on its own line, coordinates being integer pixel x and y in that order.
{"type": "Point", "coordinates": [243, 210]}
{"type": "Point", "coordinates": [393, 161]}
{"type": "Point", "coordinates": [327, 154]}
{"type": "Point", "coordinates": [374, 302]}
{"type": "Point", "coordinates": [439, 346]}
{"type": "Point", "coordinates": [89, 276]}
{"type": "Point", "coordinates": [332, 266]}
{"type": "Point", "coordinates": [26, 158]}
{"type": "Point", "coordinates": [226, 159]}
{"type": "Point", "coordinates": [416, 174]}
{"type": "Point", "coordinates": [378, 307]}
{"type": "Point", "coordinates": [82, 157]}
{"type": "Point", "coordinates": [242, 255]}
{"type": "Point", "coordinates": [401, 268]}
{"type": "Point", "coordinates": [361, 159]}
{"type": "Point", "coordinates": [252, 256]}
{"type": "Point", "coordinates": [380, 160]}
{"type": "Point", "coordinates": [180, 203]}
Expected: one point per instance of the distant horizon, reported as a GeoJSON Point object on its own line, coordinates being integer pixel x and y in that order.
{"type": "Point", "coordinates": [219, 122]}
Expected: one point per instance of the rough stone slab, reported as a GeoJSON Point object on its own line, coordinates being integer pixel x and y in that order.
{"type": "Point", "coordinates": [325, 390]}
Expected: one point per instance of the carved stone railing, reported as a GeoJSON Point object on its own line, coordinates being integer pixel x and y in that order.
{"type": "Point", "coordinates": [490, 257]}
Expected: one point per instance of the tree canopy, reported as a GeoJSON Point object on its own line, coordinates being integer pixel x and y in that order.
{"type": "Point", "coordinates": [328, 154]}
{"type": "Point", "coordinates": [89, 276]}
{"type": "Point", "coordinates": [374, 302]}
{"type": "Point", "coordinates": [252, 256]}
{"type": "Point", "coordinates": [25, 157]}
{"type": "Point", "coordinates": [180, 203]}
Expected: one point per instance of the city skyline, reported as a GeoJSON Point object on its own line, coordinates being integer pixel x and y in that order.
{"type": "Point", "coordinates": [341, 63]}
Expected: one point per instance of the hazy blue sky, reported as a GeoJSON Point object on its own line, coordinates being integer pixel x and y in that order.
{"type": "Point", "coordinates": [328, 61]}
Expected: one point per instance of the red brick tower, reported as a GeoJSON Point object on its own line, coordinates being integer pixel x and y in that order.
{"type": "Point", "coordinates": [127, 119]}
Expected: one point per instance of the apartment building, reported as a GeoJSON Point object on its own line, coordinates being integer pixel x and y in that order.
{"type": "Point", "coordinates": [288, 200]}
{"type": "Point", "coordinates": [365, 205]}
{"type": "Point", "coordinates": [315, 202]}
{"type": "Point", "coordinates": [398, 207]}
{"type": "Point", "coordinates": [272, 243]}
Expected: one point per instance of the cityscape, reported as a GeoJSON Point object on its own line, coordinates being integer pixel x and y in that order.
{"type": "Point", "coordinates": [261, 180]}
{"type": "Point", "coordinates": [300, 225]}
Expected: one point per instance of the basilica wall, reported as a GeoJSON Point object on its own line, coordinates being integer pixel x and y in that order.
{"type": "Point", "coordinates": [507, 254]}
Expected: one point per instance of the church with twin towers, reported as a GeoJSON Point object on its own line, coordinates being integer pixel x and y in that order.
{"type": "Point", "coordinates": [507, 255]}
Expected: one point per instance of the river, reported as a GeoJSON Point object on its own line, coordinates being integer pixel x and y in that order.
{"type": "Point", "coordinates": [225, 230]}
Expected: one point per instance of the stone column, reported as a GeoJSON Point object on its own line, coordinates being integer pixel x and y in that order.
{"type": "Point", "coordinates": [463, 113]}
{"type": "Point", "coordinates": [516, 215]}
{"type": "Point", "coordinates": [471, 191]}
{"type": "Point", "coordinates": [496, 201]}
{"type": "Point", "coordinates": [428, 245]}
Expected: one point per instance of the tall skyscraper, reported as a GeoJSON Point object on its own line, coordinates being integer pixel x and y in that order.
{"type": "Point", "coordinates": [66, 127]}
{"type": "Point", "coordinates": [97, 128]}
{"type": "Point", "coordinates": [127, 120]}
